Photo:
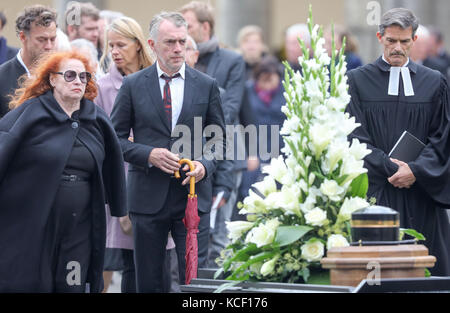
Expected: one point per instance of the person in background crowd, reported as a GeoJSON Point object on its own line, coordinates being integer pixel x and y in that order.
{"type": "Point", "coordinates": [81, 20]}
{"type": "Point", "coordinates": [126, 44]}
{"type": "Point", "coordinates": [392, 95]}
{"type": "Point", "coordinates": [192, 52]}
{"type": "Point", "coordinates": [6, 52]}
{"type": "Point", "coordinates": [60, 162]}
{"type": "Point", "coordinates": [252, 47]}
{"type": "Point", "coordinates": [420, 51]}
{"type": "Point", "coordinates": [36, 29]}
{"type": "Point", "coordinates": [351, 47]}
{"type": "Point", "coordinates": [88, 49]}
{"type": "Point", "coordinates": [437, 49]}
{"type": "Point", "coordinates": [228, 68]}
{"type": "Point", "coordinates": [62, 41]}
{"type": "Point", "coordinates": [292, 47]}
{"type": "Point", "coordinates": [106, 19]}
{"type": "Point", "coordinates": [265, 96]}
{"type": "Point", "coordinates": [152, 103]}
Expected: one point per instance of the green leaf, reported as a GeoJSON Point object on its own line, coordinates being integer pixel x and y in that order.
{"type": "Point", "coordinates": [218, 272]}
{"type": "Point", "coordinates": [289, 234]}
{"type": "Point", "coordinates": [427, 273]}
{"type": "Point", "coordinates": [413, 233]}
{"type": "Point", "coordinates": [242, 255]}
{"type": "Point", "coordinates": [360, 186]}
{"type": "Point", "coordinates": [319, 278]}
{"type": "Point", "coordinates": [305, 273]}
{"type": "Point", "coordinates": [256, 259]}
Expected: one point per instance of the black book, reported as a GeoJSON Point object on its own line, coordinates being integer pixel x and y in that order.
{"type": "Point", "coordinates": [407, 148]}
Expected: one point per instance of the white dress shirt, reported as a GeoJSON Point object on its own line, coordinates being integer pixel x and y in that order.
{"type": "Point", "coordinates": [176, 91]}
{"type": "Point", "coordinates": [19, 57]}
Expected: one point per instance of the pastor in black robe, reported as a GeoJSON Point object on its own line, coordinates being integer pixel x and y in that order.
{"type": "Point", "coordinates": [426, 115]}
{"type": "Point", "coordinates": [36, 140]}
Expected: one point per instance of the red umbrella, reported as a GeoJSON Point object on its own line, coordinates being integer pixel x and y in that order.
{"type": "Point", "coordinates": [191, 221]}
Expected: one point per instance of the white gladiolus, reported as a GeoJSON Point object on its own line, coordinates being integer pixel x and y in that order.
{"type": "Point", "coordinates": [337, 241]}
{"type": "Point", "coordinates": [253, 204]}
{"type": "Point", "coordinates": [237, 228]}
{"type": "Point", "coordinates": [313, 251]}
{"type": "Point", "coordinates": [277, 169]}
{"type": "Point", "coordinates": [359, 150]}
{"type": "Point", "coordinates": [351, 205]}
{"type": "Point", "coordinates": [267, 186]}
{"type": "Point", "coordinates": [332, 190]}
{"type": "Point", "coordinates": [336, 152]}
{"type": "Point", "coordinates": [321, 136]}
{"type": "Point", "coordinates": [316, 217]}
{"type": "Point", "coordinates": [288, 200]}
{"type": "Point", "coordinates": [352, 168]}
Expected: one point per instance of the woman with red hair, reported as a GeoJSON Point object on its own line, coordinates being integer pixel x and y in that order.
{"type": "Point", "coordinates": [60, 162]}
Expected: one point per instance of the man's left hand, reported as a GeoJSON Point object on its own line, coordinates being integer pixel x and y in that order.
{"type": "Point", "coordinates": [404, 178]}
{"type": "Point", "coordinates": [198, 173]}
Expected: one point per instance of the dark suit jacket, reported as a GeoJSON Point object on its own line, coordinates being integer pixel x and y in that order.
{"type": "Point", "coordinates": [9, 75]}
{"type": "Point", "coordinates": [139, 107]}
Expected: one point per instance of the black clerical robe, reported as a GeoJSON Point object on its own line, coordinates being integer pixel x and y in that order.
{"type": "Point", "coordinates": [426, 115]}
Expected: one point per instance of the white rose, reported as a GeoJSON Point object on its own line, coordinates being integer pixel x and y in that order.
{"type": "Point", "coordinates": [264, 234]}
{"type": "Point", "coordinates": [269, 266]}
{"type": "Point", "coordinates": [313, 251]}
{"type": "Point", "coordinates": [351, 205]}
{"type": "Point", "coordinates": [337, 241]}
{"type": "Point", "coordinates": [332, 190]}
{"type": "Point", "coordinates": [316, 217]}
{"type": "Point", "coordinates": [237, 228]}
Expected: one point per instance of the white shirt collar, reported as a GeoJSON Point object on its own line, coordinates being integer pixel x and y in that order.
{"type": "Point", "coordinates": [19, 57]}
{"type": "Point", "coordinates": [182, 70]}
{"type": "Point", "coordinates": [394, 79]}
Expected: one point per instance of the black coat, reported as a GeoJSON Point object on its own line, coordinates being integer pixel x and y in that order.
{"type": "Point", "coordinates": [383, 119]}
{"type": "Point", "coordinates": [10, 73]}
{"type": "Point", "coordinates": [36, 140]}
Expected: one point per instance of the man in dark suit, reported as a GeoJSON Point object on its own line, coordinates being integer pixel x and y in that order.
{"type": "Point", "coordinates": [36, 28]}
{"type": "Point", "coordinates": [161, 104]}
{"type": "Point", "coordinates": [6, 52]}
{"type": "Point", "coordinates": [228, 68]}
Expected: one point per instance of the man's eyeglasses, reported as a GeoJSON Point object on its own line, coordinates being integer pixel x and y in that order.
{"type": "Point", "coordinates": [70, 76]}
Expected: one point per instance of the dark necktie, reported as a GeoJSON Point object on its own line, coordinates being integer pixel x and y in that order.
{"type": "Point", "coordinates": [167, 97]}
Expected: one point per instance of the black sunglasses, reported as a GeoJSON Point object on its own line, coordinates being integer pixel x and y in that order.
{"type": "Point", "coordinates": [70, 76]}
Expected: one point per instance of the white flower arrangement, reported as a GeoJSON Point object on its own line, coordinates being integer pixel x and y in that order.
{"type": "Point", "coordinates": [304, 204]}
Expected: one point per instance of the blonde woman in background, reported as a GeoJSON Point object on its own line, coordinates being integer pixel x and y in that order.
{"type": "Point", "coordinates": [129, 51]}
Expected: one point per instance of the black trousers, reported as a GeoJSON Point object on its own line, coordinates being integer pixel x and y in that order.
{"type": "Point", "coordinates": [150, 232]}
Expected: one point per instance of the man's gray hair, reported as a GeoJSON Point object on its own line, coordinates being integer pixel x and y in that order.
{"type": "Point", "coordinates": [176, 18]}
{"type": "Point", "coordinates": [299, 30]}
{"type": "Point", "coordinates": [399, 17]}
{"type": "Point", "coordinates": [84, 43]}
{"type": "Point", "coordinates": [193, 43]}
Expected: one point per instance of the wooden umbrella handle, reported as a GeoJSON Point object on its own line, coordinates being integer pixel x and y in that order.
{"type": "Point", "coordinates": [192, 179]}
